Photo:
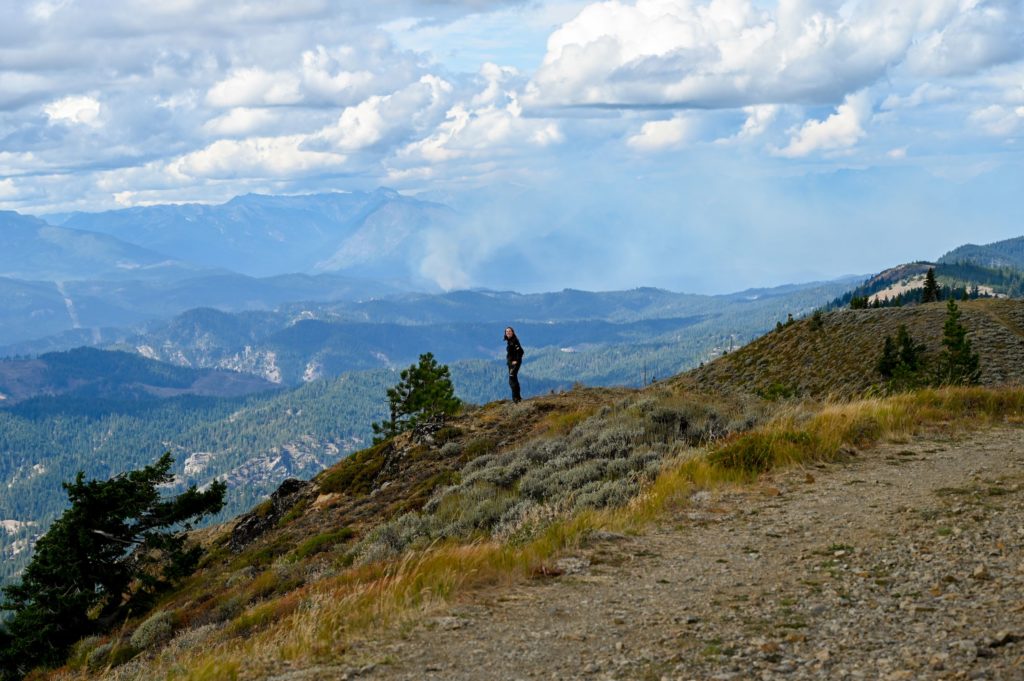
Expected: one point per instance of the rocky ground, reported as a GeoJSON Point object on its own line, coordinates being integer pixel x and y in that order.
{"type": "Point", "coordinates": [902, 562]}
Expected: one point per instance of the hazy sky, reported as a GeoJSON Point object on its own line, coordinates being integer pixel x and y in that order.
{"type": "Point", "coordinates": [701, 146]}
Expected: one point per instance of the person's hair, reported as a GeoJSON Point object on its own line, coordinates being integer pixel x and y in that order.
{"type": "Point", "coordinates": [509, 328]}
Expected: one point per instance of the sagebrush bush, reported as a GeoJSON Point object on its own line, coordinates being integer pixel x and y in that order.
{"type": "Point", "coordinates": [157, 629]}
{"type": "Point", "coordinates": [81, 651]}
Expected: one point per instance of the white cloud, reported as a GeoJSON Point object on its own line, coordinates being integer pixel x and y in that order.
{"type": "Point", "coordinates": [996, 120]}
{"type": "Point", "coordinates": [842, 130]}
{"type": "Point", "coordinates": [241, 121]}
{"type": "Point", "coordinates": [759, 119]}
{"type": "Point", "coordinates": [77, 110]}
{"type": "Point", "coordinates": [979, 35]}
{"type": "Point", "coordinates": [325, 73]}
{"type": "Point", "coordinates": [44, 11]}
{"type": "Point", "coordinates": [7, 189]}
{"type": "Point", "coordinates": [416, 107]}
{"type": "Point", "coordinates": [255, 86]}
{"type": "Point", "coordinates": [490, 123]}
{"type": "Point", "coordinates": [14, 162]}
{"type": "Point", "coordinates": [259, 156]}
{"type": "Point", "coordinates": [925, 93]}
{"type": "Point", "coordinates": [661, 135]}
{"type": "Point", "coordinates": [897, 154]}
{"type": "Point", "coordinates": [726, 53]}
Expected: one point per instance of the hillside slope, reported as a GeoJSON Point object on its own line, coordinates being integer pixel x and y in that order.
{"type": "Point", "coordinates": [837, 358]}
{"type": "Point", "coordinates": [1006, 253]}
{"type": "Point", "coordinates": [90, 373]}
{"type": "Point", "coordinates": [34, 250]}
{"type": "Point", "coordinates": [305, 575]}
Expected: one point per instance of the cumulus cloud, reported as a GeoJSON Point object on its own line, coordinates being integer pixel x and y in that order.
{"type": "Point", "coordinates": [925, 93]}
{"type": "Point", "coordinates": [997, 120]}
{"type": "Point", "coordinates": [733, 53]}
{"type": "Point", "coordinates": [254, 86]}
{"type": "Point", "coordinates": [76, 110]}
{"type": "Point", "coordinates": [490, 123]}
{"type": "Point", "coordinates": [842, 130]}
{"type": "Point", "coordinates": [980, 35]}
{"type": "Point", "coordinates": [261, 156]}
{"type": "Point", "coordinates": [759, 119]}
{"type": "Point", "coordinates": [666, 134]}
{"type": "Point", "coordinates": [415, 107]}
{"type": "Point", "coordinates": [241, 121]}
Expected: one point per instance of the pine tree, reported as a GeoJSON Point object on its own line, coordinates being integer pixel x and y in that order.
{"type": "Point", "coordinates": [902, 361]}
{"type": "Point", "coordinates": [911, 354]}
{"type": "Point", "coordinates": [889, 360]}
{"type": "Point", "coordinates": [930, 294]}
{"type": "Point", "coordinates": [424, 393]}
{"type": "Point", "coordinates": [957, 364]}
{"type": "Point", "coordinates": [113, 550]}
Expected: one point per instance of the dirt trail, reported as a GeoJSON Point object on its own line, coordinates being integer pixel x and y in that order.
{"type": "Point", "coordinates": [903, 562]}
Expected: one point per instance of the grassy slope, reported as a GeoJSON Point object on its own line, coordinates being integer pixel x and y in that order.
{"type": "Point", "coordinates": [838, 358]}
{"type": "Point", "coordinates": [302, 590]}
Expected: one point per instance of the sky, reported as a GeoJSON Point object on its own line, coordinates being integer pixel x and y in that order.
{"type": "Point", "coordinates": [694, 145]}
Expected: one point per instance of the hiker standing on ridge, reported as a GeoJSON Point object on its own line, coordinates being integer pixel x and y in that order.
{"type": "Point", "coordinates": [514, 359]}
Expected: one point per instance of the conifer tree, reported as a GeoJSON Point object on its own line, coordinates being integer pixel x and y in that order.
{"type": "Point", "coordinates": [117, 546]}
{"type": "Point", "coordinates": [902, 360]}
{"type": "Point", "coordinates": [889, 360]}
{"type": "Point", "coordinates": [424, 393]}
{"type": "Point", "coordinates": [930, 293]}
{"type": "Point", "coordinates": [957, 364]}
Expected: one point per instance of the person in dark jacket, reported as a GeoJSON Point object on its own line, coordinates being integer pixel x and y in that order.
{"type": "Point", "coordinates": [514, 359]}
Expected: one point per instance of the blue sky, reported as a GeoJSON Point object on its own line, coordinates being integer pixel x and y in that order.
{"type": "Point", "coordinates": [700, 146]}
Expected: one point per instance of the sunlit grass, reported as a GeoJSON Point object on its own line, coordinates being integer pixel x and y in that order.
{"type": "Point", "coordinates": [321, 621]}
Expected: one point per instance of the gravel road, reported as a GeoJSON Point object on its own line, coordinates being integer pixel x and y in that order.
{"type": "Point", "coordinates": [901, 562]}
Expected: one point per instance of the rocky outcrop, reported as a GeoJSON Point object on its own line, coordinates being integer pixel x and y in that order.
{"type": "Point", "coordinates": [254, 524]}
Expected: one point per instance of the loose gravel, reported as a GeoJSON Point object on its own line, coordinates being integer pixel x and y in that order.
{"type": "Point", "coordinates": [901, 562]}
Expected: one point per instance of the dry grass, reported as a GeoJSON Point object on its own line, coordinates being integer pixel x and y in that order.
{"type": "Point", "coordinates": [320, 621]}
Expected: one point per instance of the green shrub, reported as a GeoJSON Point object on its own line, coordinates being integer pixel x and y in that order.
{"type": "Point", "coordinates": [321, 543]}
{"type": "Point", "coordinates": [81, 651]}
{"type": "Point", "coordinates": [478, 447]}
{"type": "Point", "coordinates": [98, 656]}
{"type": "Point", "coordinates": [357, 473]}
{"type": "Point", "coordinates": [121, 653]}
{"type": "Point", "coordinates": [157, 629]}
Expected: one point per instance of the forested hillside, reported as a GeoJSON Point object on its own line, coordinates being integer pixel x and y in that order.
{"type": "Point", "coordinates": [253, 442]}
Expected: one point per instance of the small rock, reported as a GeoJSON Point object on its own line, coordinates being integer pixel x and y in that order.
{"type": "Point", "coordinates": [823, 655]}
{"type": "Point", "coordinates": [1003, 638]}
{"type": "Point", "coordinates": [980, 572]}
{"type": "Point", "coordinates": [450, 623]}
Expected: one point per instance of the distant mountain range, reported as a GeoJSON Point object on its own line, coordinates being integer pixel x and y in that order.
{"type": "Point", "coordinates": [368, 234]}
{"type": "Point", "coordinates": [36, 251]}
{"type": "Point", "coordinates": [611, 337]}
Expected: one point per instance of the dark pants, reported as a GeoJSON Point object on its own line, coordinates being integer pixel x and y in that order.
{"type": "Point", "coordinates": [513, 381]}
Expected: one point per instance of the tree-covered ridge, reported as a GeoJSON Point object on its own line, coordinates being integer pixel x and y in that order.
{"type": "Point", "coordinates": [1008, 253]}
{"type": "Point", "coordinates": [92, 373]}
{"type": "Point", "coordinates": [955, 280]}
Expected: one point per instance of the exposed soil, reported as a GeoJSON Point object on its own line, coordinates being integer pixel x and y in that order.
{"type": "Point", "coordinates": [902, 562]}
